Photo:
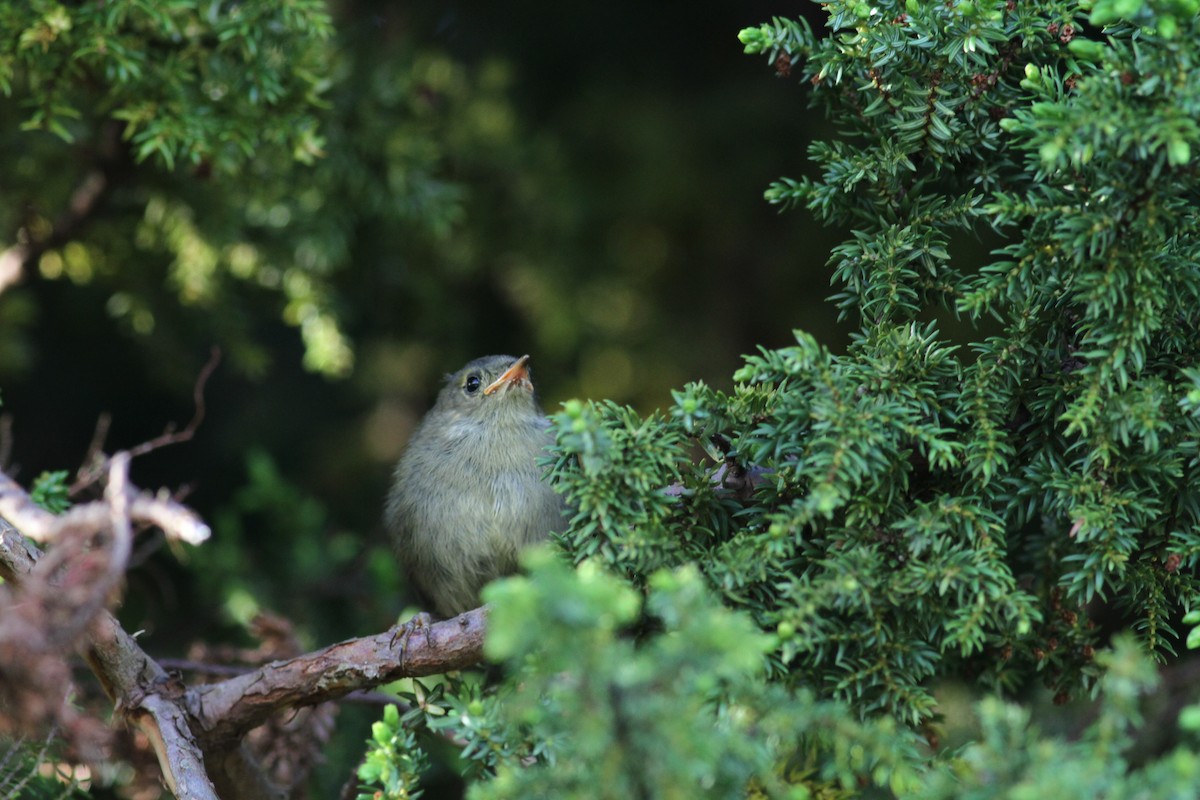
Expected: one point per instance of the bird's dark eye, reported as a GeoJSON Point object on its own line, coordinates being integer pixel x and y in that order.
{"type": "Point", "coordinates": [473, 383]}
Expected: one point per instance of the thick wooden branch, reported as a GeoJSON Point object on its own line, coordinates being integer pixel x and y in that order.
{"type": "Point", "coordinates": [197, 733]}
{"type": "Point", "coordinates": [224, 711]}
{"type": "Point", "coordinates": [17, 556]}
{"type": "Point", "coordinates": [150, 701]}
{"type": "Point", "coordinates": [131, 679]}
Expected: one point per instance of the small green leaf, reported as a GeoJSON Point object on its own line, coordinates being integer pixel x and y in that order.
{"type": "Point", "coordinates": [1179, 152]}
{"type": "Point", "coordinates": [1087, 50]}
{"type": "Point", "coordinates": [50, 491]}
{"type": "Point", "coordinates": [1193, 639]}
{"type": "Point", "coordinates": [1189, 718]}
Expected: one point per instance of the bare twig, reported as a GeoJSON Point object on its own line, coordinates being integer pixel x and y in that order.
{"type": "Point", "coordinates": [6, 440]}
{"type": "Point", "coordinates": [170, 436]}
{"type": "Point", "coordinates": [116, 494]}
{"type": "Point", "coordinates": [176, 521]}
{"type": "Point", "coordinates": [95, 463]}
{"type": "Point", "coordinates": [94, 458]}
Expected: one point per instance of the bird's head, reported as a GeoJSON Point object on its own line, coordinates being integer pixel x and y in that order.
{"type": "Point", "coordinates": [490, 388]}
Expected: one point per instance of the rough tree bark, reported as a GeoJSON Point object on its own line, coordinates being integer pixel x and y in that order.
{"type": "Point", "coordinates": [197, 732]}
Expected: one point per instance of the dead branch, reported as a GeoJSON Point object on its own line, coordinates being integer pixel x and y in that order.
{"type": "Point", "coordinates": [224, 711]}
{"type": "Point", "coordinates": [175, 520]}
{"type": "Point", "coordinates": [6, 440]}
{"type": "Point", "coordinates": [94, 458]}
{"type": "Point", "coordinates": [170, 436]}
{"type": "Point", "coordinates": [131, 679]}
{"type": "Point", "coordinates": [148, 699]}
{"type": "Point", "coordinates": [197, 733]}
{"type": "Point", "coordinates": [96, 462]}
{"type": "Point", "coordinates": [206, 668]}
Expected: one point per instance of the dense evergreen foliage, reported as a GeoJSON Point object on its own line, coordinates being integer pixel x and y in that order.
{"type": "Point", "coordinates": [926, 507]}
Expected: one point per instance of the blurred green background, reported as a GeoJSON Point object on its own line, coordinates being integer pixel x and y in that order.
{"type": "Point", "coordinates": [580, 182]}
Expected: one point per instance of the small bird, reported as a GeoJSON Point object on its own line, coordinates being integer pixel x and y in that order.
{"type": "Point", "coordinates": [467, 494]}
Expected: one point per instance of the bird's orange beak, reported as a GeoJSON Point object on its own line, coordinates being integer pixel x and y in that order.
{"type": "Point", "coordinates": [517, 373]}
